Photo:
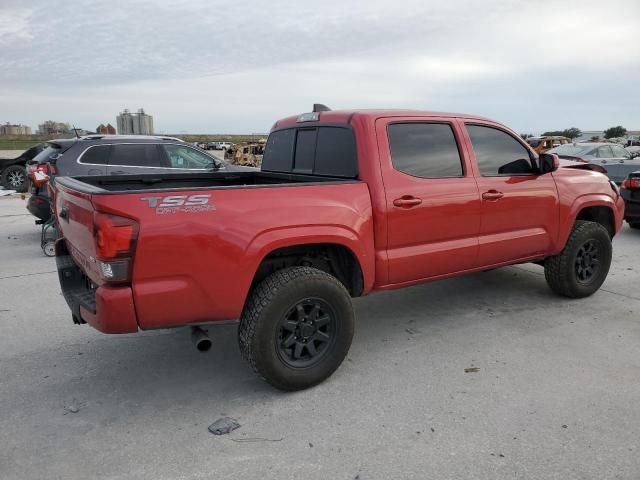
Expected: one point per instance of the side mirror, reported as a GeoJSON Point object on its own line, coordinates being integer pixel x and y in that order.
{"type": "Point", "coordinates": [548, 162]}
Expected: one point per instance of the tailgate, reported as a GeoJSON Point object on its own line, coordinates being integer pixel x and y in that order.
{"type": "Point", "coordinates": [74, 212]}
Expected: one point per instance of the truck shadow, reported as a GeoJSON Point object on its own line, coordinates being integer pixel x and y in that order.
{"type": "Point", "coordinates": [161, 374]}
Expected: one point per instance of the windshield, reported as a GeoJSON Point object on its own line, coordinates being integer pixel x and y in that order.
{"type": "Point", "coordinates": [572, 149]}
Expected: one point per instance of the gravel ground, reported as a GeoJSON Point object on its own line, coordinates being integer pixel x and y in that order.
{"type": "Point", "coordinates": [488, 376]}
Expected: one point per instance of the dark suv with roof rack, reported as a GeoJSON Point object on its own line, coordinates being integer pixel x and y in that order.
{"type": "Point", "coordinates": [117, 155]}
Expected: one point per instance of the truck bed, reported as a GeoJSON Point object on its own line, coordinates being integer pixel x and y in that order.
{"type": "Point", "coordinates": [192, 181]}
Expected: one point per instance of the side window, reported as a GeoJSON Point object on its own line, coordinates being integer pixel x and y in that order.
{"type": "Point", "coordinates": [604, 152]}
{"type": "Point", "coordinates": [619, 152]}
{"type": "Point", "coordinates": [498, 153]}
{"type": "Point", "coordinates": [181, 156]}
{"type": "Point", "coordinates": [426, 150]}
{"type": "Point", "coordinates": [96, 155]}
{"type": "Point", "coordinates": [136, 155]}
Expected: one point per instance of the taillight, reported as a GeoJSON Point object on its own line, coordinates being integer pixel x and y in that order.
{"type": "Point", "coordinates": [115, 239]}
{"type": "Point", "coordinates": [631, 183]}
{"type": "Point", "coordinates": [40, 175]}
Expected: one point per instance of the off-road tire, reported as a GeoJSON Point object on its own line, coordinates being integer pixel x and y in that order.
{"type": "Point", "coordinates": [9, 173]}
{"type": "Point", "coordinates": [261, 319]}
{"type": "Point", "coordinates": [560, 270]}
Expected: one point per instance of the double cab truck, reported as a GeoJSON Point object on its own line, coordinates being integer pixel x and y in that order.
{"type": "Point", "coordinates": [346, 203]}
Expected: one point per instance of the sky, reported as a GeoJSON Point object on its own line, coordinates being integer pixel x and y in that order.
{"type": "Point", "coordinates": [236, 66]}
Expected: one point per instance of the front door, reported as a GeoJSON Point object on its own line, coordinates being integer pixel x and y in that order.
{"type": "Point", "coordinates": [432, 200]}
{"type": "Point", "coordinates": [520, 208]}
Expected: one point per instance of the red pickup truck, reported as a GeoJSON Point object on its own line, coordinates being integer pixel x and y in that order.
{"type": "Point", "coordinates": [345, 203]}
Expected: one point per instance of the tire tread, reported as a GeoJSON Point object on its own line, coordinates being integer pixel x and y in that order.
{"type": "Point", "coordinates": [262, 296]}
{"type": "Point", "coordinates": [557, 268]}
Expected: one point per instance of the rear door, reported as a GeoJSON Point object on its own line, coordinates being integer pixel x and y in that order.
{"type": "Point", "coordinates": [433, 205]}
{"type": "Point", "coordinates": [137, 158]}
{"type": "Point", "coordinates": [519, 207]}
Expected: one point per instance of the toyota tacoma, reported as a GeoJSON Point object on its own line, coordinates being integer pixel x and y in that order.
{"type": "Point", "coordinates": [346, 203]}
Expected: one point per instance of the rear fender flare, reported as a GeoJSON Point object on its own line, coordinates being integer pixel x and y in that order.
{"type": "Point", "coordinates": [268, 241]}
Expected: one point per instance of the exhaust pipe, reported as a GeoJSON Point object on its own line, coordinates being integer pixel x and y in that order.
{"type": "Point", "coordinates": [200, 339]}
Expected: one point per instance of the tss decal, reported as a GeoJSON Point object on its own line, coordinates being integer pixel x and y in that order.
{"type": "Point", "coordinates": [180, 203]}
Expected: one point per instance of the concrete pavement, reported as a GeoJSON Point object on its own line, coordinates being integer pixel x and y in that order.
{"type": "Point", "coordinates": [488, 376]}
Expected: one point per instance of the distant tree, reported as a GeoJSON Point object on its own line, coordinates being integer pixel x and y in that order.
{"type": "Point", "coordinates": [572, 133]}
{"type": "Point", "coordinates": [615, 132]}
{"type": "Point", "coordinates": [595, 138]}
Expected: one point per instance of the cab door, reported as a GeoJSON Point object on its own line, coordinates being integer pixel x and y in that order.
{"type": "Point", "coordinates": [520, 208]}
{"type": "Point", "coordinates": [432, 200]}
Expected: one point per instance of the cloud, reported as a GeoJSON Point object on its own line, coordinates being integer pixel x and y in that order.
{"type": "Point", "coordinates": [236, 65]}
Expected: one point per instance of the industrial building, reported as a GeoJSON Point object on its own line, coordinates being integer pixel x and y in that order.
{"type": "Point", "coordinates": [13, 129]}
{"type": "Point", "coordinates": [51, 127]}
{"type": "Point", "coordinates": [138, 123]}
{"type": "Point", "coordinates": [107, 129]}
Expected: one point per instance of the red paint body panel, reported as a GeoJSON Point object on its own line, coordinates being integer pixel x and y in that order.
{"type": "Point", "coordinates": [198, 267]}
{"type": "Point", "coordinates": [115, 312]}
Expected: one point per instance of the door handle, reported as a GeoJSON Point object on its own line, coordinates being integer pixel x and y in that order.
{"type": "Point", "coordinates": [407, 201]}
{"type": "Point", "coordinates": [492, 195]}
{"type": "Point", "coordinates": [119, 172]}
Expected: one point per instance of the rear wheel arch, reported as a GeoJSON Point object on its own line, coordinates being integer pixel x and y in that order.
{"type": "Point", "coordinates": [333, 258]}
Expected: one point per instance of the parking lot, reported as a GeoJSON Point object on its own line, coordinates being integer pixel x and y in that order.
{"type": "Point", "coordinates": [487, 376]}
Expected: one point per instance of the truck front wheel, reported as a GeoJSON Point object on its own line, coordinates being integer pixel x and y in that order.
{"type": "Point", "coordinates": [583, 265]}
{"type": "Point", "coordinates": [296, 327]}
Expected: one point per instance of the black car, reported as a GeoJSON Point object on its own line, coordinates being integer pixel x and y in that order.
{"type": "Point", "coordinates": [630, 192]}
{"type": "Point", "coordinates": [12, 170]}
{"type": "Point", "coordinates": [117, 155]}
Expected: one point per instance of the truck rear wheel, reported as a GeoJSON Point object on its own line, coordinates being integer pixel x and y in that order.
{"type": "Point", "coordinates": [583, 265]}
{"type": "Point", "coordinates": [296, 327]}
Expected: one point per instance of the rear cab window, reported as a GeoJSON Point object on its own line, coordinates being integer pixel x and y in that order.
{"type": "Point", "coordinates": [318, 150]}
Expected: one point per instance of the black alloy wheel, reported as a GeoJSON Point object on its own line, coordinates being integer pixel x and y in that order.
{"type": "Point", "coordinates": [587, 261]}
{"type": "Point", "coordinates": [306, 332]}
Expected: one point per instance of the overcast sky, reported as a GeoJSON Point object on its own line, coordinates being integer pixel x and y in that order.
{"type": "Point", "coordinates": [206, 66]}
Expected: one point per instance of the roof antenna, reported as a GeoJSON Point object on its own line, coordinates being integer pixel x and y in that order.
{"type": "Point", "coordinates": [75, 130]}
{"type": "Point", "coordinates": [318, 107]}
